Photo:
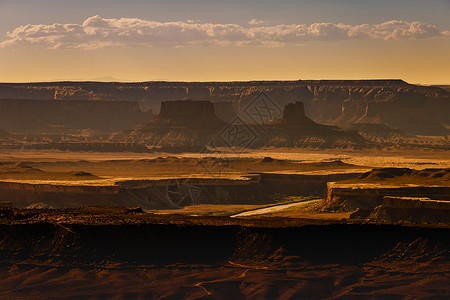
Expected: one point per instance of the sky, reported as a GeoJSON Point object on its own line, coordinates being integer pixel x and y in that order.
{"type": "Point", "coordinates": [211, 40]}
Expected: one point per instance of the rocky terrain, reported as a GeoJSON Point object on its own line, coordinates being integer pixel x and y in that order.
{"type": "Point", "coordinates": [164, 183]}
{"type": "Point", "coordinates": [278, 189]}
{"type": "Point", "coordinates": [395, 103]}
{"type": "Point", "coordinates": [406, 209]}
{"type": "Point", "coordinates": [183, 123]}
{"type": "Point", "coordinates": [124, 253]}
{"type": "Point", "coordinates": [377, 132]}
{"type": "Point", "coordinates": [370, 189]}
{"type": "Point", "coordinates": [194, 123]}
{"type": "Point", "coordinates": [294, 129]}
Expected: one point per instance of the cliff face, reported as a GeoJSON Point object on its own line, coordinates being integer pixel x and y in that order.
{"type": "Point", "coordinates": [370, 188]}
{"type": "Point", "coordinates": [414, 109]}
{"type": "Point", "coordinates": [158, 194]}
{"type": "Point", "coordinates": [190, 113]}
{"type": "Point", "coordinates": [406, 209]}
{"type": "Point", "coordinates": [294, 112]}
{"type": "Point", "coordinates": [49, 116]}
{"type": "Point", "coordinates": [181, 123]}
{"type": "Point", "coordinates": [297, 130]}
{"type": "Point", "coordinates": [225, 111]}
{"type": "Point", "coordinates": [190, 123]}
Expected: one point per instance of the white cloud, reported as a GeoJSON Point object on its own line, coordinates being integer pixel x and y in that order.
{"type": "Point", "coordinates": [97, 32]}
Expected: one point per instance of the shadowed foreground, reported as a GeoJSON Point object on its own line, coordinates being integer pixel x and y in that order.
{"type": "Point", "coordinates": [123, 253]}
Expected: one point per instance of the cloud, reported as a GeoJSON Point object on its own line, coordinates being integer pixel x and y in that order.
{"type": "Point", "coordinates": [97, 32]}
{"type": "Point", "coordinates": [256, 22]}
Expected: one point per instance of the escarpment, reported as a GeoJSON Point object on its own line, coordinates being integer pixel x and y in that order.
{"type": "Point", "coordinates": [193, 123]}
{"type": "Point", "coordinates": [69, 116]}
{"type": "Point", "coordinates": [185, 123]}
{"type": "Point", "coordinates": [165, 193]}
{"type": "Point", "coordinates": [406, 209]}
{"type": "Point", "coordinates": [369, 189]}
{"type": "Point", "coordinates": [191, 113]}
{"type": "Point", "coordinates": [410, 108]}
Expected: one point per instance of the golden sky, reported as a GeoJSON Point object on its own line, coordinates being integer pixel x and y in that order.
{"type": "Point", "coordinates": [254, 45]}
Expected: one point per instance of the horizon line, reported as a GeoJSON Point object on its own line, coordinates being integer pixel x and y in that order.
{"type": "Point", "coordinates": [214, 81]}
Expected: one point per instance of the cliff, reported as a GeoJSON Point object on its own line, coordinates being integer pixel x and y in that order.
{"type": "Point", "coordinates": [191, 123]}
{"type": "Point", "coordinates": [180, 123]}
{"type": "Point", "coordinates": [411, 108]}
{"type": "Point", "coordinates": [49, 116]}
{"type": "Point", "coordinates": [294, 114]}
{"type": "Point", "coordinates": [369, 189]}
{"type": "Point", "coordinates": [294, 129]}
{"type": "Point", "coordinates": [225, 111]}
{"type": "Point", "coordinates": [406, 209]}
{"type": "Point", "coordinates": [165, 193]}
{"type": "Point", "coordinates": [189, 113]}
{"type": "Point", "coordinates": [116, 252]}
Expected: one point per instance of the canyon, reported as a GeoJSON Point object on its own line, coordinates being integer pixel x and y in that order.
{"type": "Point", "coordinates": [193, 123]}
{"type": "Point", "coordinates": [262, 189]}
{"type": "Point", "coordinates": [158, 184]}
{"type": "Point", "coordinates": [333, 102]}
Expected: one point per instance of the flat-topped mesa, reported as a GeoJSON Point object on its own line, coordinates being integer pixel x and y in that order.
{"type": "Point", "coordinates": [294, 111]}
{"type": "Point", "coordinates": [294, 114]}
{"type": "Point", "coordinates": [191, 123]}
{"type": "Point", "coordinates": [187, 113]}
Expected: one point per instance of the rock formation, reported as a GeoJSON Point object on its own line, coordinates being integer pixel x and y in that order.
{"type": "Point", "coordinates": [180, 123]}
{"type": "Point", "coordinates": [406, 209]}
{"type": "Point", "coordinates": [69, 116]}
{"type": "Point", "coordinates": [297, 130]}
{"type": "Point", "coordinates": [369, 189]}
{"type": "Point", "coordinates": [189, 113]}
{"type": "Point", "coordinates": [327, 101]}
{"type": "Point", "coordinates": [294, 114]}
{"type": "Point", "coordinates": [192, 123]}
{"type": "Point", "coordinates": [225, 111]}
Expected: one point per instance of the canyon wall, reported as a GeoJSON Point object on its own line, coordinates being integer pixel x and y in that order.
{"type": "Point", "coordinates": [414, 109]}
{"type": "Point", "coordinates": [168, 193]}
{"type": "Point", "coordinates": [50, 116]}
{"type": "Point", "coordinates": [193, 123]}
{"type": "Point", "coordinates": [406, 209]}
{"type": "Point", "coordinates": [348, 197]}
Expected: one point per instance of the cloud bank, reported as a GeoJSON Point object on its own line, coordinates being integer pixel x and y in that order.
{"type": "Point", "coordinates": [97, 32]}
